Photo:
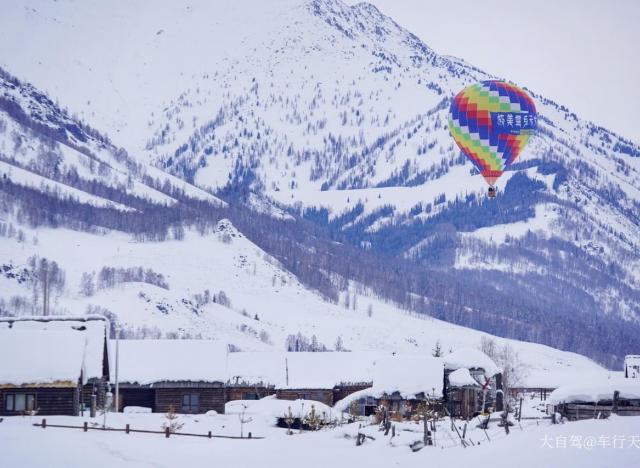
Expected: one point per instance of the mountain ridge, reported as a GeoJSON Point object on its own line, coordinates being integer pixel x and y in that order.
{"type": "Point", "coordinates": [344, 133]}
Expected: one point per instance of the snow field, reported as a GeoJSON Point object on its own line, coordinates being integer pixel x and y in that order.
{"type": "Point", "coordinates": [531, 443]}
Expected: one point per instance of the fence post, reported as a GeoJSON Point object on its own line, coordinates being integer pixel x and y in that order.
{"type": "Point", "coordinates": [249, 435]}
{"type": "Point", "coordinates": [44, 423]}
{"type": "Point", "coordinates": [209, 434]}
{"type": "Point", "coordinates": [85, 426]}
{"type": "Point", "coordinates": [520, 410]}
{"type": "Point", "coordinates": [126, 429]}
{"type": "Point", "coordinates": [166, 432]}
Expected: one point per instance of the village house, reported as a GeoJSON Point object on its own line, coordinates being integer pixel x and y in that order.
{"type": "Point", "coordinates": [473, 383]}
{"type": "Point", "coordinates": [186, 376]}
{"type": "Point", "coordinates": [53, 365]}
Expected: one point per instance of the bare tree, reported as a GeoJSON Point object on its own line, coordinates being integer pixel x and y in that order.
{"type": "Point", "coordinates": [507, 358]}
{"type": "Point", "coordinates": [47, 277]}
{"type": "Point", "coordinates": [87, 285]}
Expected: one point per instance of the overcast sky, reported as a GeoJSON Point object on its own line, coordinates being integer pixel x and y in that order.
{"type": "Point", "coordinates": [584, 54]}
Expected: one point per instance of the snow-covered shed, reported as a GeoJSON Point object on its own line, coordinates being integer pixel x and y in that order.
{"type": "Point", "coordinates": [632, 366]}
{"type": "Point", "coordinates": [52, 364]}
{"type": "Point", "coordinates": [461, 378]}
{"type": "Point", "coordinates": [473, 382]}
{"type": "Point", "coordinates": [589, 399]}
{"type": "Point", "coordinates": [186, 375]}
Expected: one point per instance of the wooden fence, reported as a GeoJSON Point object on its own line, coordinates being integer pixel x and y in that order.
{"type": "Point", "coordinates": [127, 430]}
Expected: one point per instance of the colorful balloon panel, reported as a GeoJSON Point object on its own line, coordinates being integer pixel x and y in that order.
{"type": "Point", "coordinates": [491, 122]}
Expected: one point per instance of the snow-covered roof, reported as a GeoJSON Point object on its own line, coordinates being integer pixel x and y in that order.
{"type": "Point", "coordinates": [462, 378]}
{"type": "Point", "coordinates": [407, 375]}
{"type": "Point", "coordinates": [37, 358]}
{"type": "Point", "coordinates": [594, 392]}
{"type": "Point", "coordinates": [271, 407]}
{"type": "Point", "coordinates": [151, 361]}
{"type": "Point", "coordinates": [305, 370]}
{"type": "Point", "coordinates": [92, 328]}
{"type": "Point", "coordinates": [471, 358]}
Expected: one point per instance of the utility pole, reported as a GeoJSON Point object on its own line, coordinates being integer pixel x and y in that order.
{"type": "Point", "coordinates": [45, 288]}
{"type": "Point", "coordinates": [117, 365]}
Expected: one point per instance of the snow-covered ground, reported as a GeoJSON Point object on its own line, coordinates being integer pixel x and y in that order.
{"type": "Point", "coordinates": [531, 443]}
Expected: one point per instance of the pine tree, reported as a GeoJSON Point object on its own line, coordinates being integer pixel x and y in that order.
{"type": "Point", "coordinates": [171, 422]}
{"type": "Point", "coordinates": [437, 350]}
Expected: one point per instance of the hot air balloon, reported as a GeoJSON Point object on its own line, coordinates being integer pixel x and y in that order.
{"type": "Point", "coordinates": [491, 122]}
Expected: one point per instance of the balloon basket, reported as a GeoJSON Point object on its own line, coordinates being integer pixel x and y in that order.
{"type": "Point", "coordinates": [492, 192]}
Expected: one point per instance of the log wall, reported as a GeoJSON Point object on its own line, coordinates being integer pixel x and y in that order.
{"type": "Point", "coordinates": [212, 398]}
{"type": "Point", "coordinates": [316, 394]}
{"type": "Point", "coordinates": [49, 401]}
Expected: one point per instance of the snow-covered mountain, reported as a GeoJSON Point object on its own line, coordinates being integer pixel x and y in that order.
{"type": "Point", "coordinates": [314, 109]}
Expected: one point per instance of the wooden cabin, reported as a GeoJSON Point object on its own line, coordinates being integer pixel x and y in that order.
{"type": "Point", "coordinates": [186, 376]}
{"type": "Point", "coordinates": [472, 384]}
{"type": "Point", "coordinates": [49, 363]}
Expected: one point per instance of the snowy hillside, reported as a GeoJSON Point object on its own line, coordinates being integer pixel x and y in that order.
{"type": "Point", "coordinates": [222, 286]}
{"type": "Point", "coordinates": [344, 127]}
{"type": "Point", "coordinates": [43, 147]}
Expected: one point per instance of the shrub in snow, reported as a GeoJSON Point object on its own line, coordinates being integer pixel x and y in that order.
{"type": "Point", "coordinates": [312, 420]}
{"type": "Point", "coordinates": [171, 422]}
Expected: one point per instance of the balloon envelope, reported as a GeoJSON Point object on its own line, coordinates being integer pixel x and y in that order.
{"type": "Point", "coordinates": [491, 122]}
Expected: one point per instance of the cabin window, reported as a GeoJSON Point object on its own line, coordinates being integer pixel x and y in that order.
{"type": "Point", "coordinates": [20, 402]}
{"type": "Point", "coordinates": [367, 406]}
{"type": "Point", "coordinates": [250, 396]}
{"type": "Point", "coordinates": [190, 403]}
{"type": "Point", "coordinates": [317, 396]}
